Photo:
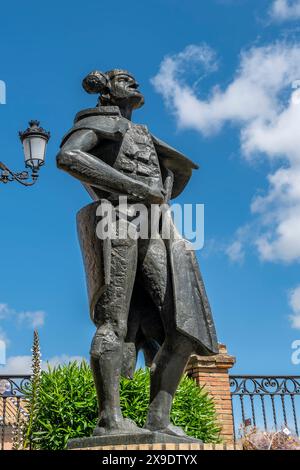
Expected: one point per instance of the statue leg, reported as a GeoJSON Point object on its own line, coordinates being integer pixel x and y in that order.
{"type": "Point", "coordinates": [171, 359]}
{"type": "Point", "coordinates": [166, 372]}
{"type": "Point", "coordinates": [111, 314]}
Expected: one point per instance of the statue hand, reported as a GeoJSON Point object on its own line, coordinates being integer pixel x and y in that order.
{"type": "Point", "coordinates": [156, 195]}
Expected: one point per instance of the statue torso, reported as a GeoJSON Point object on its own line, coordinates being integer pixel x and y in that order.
{"type": "Point", "coordinates": [137, 156]}
{"type": "Point", "coordinates": [134, 155]}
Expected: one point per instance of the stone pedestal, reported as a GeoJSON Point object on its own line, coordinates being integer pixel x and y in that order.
{"type": "Point", "coordinates": [163, 447]}
{"type": "Point", "coordinates": [137, 439]}
{"type": "Point", "coordinates": [150, 441]}
{"type": "Point", "coordinates": [212, 372]}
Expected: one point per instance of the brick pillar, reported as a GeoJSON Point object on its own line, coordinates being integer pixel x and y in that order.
{"type": "Point", "coordinates": [212, 371]}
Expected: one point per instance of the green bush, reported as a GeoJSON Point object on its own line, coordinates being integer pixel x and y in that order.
{"type": "Point", "coordinates": [68, 408]}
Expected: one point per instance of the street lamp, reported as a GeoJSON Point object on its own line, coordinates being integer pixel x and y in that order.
{"type": "Point", "coordinates": [34, 141]}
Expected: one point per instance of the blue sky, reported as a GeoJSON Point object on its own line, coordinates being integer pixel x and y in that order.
{"type": "Point", "coordinates": [219, 102]}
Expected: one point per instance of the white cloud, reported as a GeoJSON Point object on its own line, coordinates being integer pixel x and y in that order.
{"type": "Point", "coordinates": [2, 351]}
{"type": "Point", "coordinates": [282, 10]}
{"type": "Point", "coordinates": [235, 251]}
{"type": "Point", "coordinates": [3, 336]}
{"type": "Point", "coordinates": [32, 319]}
{"type": "Point", "coordinates": [251, 96]}
{"type": "Point", "coordinates": [5, 311]}
{"type": "Point", "coordinates": [294, 301]}
{"type": "Point", "coordinates": [17, 365]}
{"type": "Point", "coordinates": [22, 364]}
{"type": "Point", "coordinates": [261, 103]}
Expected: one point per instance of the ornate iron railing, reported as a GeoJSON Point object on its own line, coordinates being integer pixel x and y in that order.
{"type": "Point", "coordinates": [11, 405]}
{"type": "Point", "coordinates": [269, 402]}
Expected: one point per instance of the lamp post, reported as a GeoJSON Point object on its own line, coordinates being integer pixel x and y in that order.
{"type": "Point", "coordinates": [34, 140]}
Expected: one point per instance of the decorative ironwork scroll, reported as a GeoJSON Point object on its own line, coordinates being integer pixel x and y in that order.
{"type": "Point", "coordinates": [265, 397]}
{"type": "Point", "coordinates": [11, 396]}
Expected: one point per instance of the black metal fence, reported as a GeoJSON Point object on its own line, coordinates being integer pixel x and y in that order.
{"type": "Point", "coordinates": [11, 405]}
{"type": "Point", "coordinates": [268, 402]}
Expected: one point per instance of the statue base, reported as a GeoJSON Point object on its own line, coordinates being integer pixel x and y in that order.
{"type": "Point", "coordinates": [129, 439]}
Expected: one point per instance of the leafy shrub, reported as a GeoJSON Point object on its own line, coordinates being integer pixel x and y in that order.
{"type": "Point", "coordinates": [68, 406]}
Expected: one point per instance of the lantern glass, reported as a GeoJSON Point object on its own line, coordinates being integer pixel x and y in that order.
{"type": "Point", "coordinates": [34, 151]}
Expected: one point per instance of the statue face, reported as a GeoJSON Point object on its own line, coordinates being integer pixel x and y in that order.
{"type": "Point", "coordinates": [125, 88]}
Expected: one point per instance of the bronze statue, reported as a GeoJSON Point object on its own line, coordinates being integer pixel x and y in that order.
{"type": "Point", "coordinates": [143, 293]}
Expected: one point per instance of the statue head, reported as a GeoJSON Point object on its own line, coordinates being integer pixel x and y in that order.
{"type": "Point", "coordinates": [116, 88]}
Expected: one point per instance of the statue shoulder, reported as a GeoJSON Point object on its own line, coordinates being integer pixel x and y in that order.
{"type": "Point", "coordinates": [105, 121]}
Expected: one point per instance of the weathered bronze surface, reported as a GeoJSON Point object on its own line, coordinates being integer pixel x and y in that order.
{"type": "Point", "coordinates": [143, 293]}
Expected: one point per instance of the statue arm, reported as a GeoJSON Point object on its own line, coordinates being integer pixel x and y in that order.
{"type": "Point", "coordinates": [75, 159]}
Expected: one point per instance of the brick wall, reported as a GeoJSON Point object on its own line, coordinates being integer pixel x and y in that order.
{"type": "Point", "coordinates": [213, 372]}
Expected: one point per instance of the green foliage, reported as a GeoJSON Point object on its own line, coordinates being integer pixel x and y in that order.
{"type": "Point", "coordinates": [193, 410]}
{"type": "Point", "coordinates": [68, 406]}
{"type": "Point", "coordinates": [134, 396]}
